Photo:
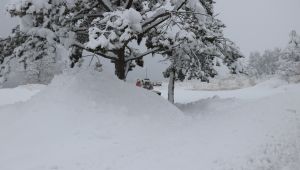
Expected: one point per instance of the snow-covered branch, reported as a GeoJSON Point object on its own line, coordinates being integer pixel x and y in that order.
{"type": "Point", "coordinates": [128, 4]}
{"type": "Point", "coordinates": [82, 13]}
{"type": "Point", "coordinates": [138, 56]}
{"type": "Point", "coordinates": [79, 45]}
{"type": "Point", "coordinates": [107, 5]}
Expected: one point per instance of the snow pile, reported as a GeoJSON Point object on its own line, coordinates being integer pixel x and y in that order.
{"type": "Point", "coordinates": [19, 94]}
{"type": "Point", "coordinates": [89, 121]}
{"type": "Point", "coordinates": [259, 130]}
{"type": "Point", "coordinates": [256, 135]}
{"type": "Point", "coordinates": [83, 121]}
{"type": "Point", "coordinates": [100, 92]}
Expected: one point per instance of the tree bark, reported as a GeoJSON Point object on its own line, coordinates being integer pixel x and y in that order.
{"type": "Point", "coordinates": [75, 55]}
{"type": "Point", "coordinates": [171, 87]}
{"type": "Point", "coordinates": [120, 65]}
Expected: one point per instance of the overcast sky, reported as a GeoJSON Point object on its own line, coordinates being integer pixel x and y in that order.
{"type": "Point", "coordinates": [255, 25]}
{"type": "Point", "coordinates": [259, 24]}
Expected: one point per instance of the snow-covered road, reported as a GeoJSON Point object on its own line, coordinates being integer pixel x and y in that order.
{"type": "Point", "coordinates": [184, 92]}
{"type": "Point", "coordinates": [252, 128]}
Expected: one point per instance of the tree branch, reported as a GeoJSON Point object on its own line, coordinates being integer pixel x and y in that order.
{"type": "Point", "coordinates": [128, 4]}
{"type": "Point", "coordinates": [79, 45]}
{"type": "Point", "coordinates": [142, 54]}
{"type": "Point", "coordinates": [155, 17]}
{"type": "Point", "coordinates": [77, 15]}
{"type": "Point", "coordinates": [106, 4]}
{"type": "Point", "coordinates": [160, 17]}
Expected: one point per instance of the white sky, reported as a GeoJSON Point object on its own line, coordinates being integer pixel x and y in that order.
{"type": "Point", "coordinates": [259, 24]}
{"type": "Point", "coordinates": [255, 25]}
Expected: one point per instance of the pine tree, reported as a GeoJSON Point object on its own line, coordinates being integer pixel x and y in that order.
{"type": "Point", "coordinates": [119, 29]}
{"type": "Point", "coordinates": [266, 64]}
{"type": "Point", "coordinates": [44, 32]}
{"type": "Point", "coordinates": [285, 63]}
{"type": "Point", "coordinates": [7, 47]}
{"type": "Point", "coordinates": [197, 46]}
{"type": "Point", "coordinates": [290, 60]}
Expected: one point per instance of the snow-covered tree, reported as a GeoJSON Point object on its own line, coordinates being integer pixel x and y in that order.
{"type": "Point", "coordinates": [195, 45]}
{"type": "Point", "coordinates": [125, 31]}
{"type": "Point", "coordinates": [284, 62]}
{"type": "Point", "coordinates": [118, 29]}
{"type": "Point", "coordinates": [201, 63]}
{"type": "Point", "coordinates": [7, 47]}
{"type": "Point", "coordinates": [266, 64]}
{"type": "Point", "coordinates": [45, 37]}
{"type": "Point", "coordinates": [290, 59]}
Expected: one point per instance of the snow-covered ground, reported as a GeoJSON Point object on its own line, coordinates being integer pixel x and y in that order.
{"type": "Point", "coordinates": [188, 92]}
{"type": "Point", "coordinates": [89, 121]}
{"type": "Point", "coordinates": [19, 94]}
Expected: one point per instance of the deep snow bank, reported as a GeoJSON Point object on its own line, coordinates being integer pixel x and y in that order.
{"type": "Point", "coordinates": [89, 121]}
{"type": "Point", "coordinates": [81, 120]}
{"type": "Point", "coordinates": [260, 133]}
{"type": "Point", "coordinates": [19, 94]}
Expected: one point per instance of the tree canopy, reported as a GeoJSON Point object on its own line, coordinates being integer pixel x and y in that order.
{"type": "Point", "coordinates": [125, 31]}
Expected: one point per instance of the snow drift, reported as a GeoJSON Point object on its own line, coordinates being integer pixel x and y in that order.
{"type": "Point", "coordinates": [90, 121]}
{"type": "Point", "coordinates": [85, 120]}
{"type": "Point", "coordinates": [19, 94]}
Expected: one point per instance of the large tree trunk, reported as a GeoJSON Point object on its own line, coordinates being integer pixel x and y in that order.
{"type": "Point", "coordinates": [120, 71]}
{"type": "Point", "coordinates": [120, 65]}
{"type": "Point", "coordinates": [171, 86]}
{"type": "Point", "coordinates": [76, 54]}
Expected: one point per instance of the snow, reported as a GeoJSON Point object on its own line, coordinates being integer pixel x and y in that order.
{"type": "Point", "coordinates": [192, 91]}
{"type": "Point", "coordinates": [128, 20]}
{"type": "Point", "coordinates": [19, 94]}
{"type": "Point", "coordinates": [90, 121]}
{"type": "Point", "coordinates": [35, 5]}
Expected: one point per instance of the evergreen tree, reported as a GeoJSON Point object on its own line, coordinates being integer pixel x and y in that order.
{"type": "Point", "coordinates": [7, 47]}
{"type": "Point", "coordinates": [290, 59]}
{"type": "Point", "coordinates": [196, 47]}
{"type": "Point", "coordinates": [119, 30]}
{"type": "Point", "coordinates": [266, 64]}
{"type": "Point", "coordinates": [45, 34]}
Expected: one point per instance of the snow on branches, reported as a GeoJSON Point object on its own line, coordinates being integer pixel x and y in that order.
{"type": "Point", "coordinates": [38, 57]}
{"type": "Point", "coordinates": [114, 29]}
{"type": "Point", "coordinates": [125, 31]}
